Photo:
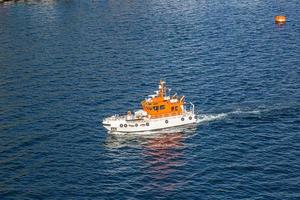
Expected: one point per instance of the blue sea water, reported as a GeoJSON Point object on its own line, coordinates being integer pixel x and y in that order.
{"type": "Point", "coordinates": [66, 65]}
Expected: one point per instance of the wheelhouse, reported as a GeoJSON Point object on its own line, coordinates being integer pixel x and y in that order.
{"type": "Point", "coordinates": [161, 105]}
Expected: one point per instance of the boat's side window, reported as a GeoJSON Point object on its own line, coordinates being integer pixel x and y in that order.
{"type": "Point", "coordinates": [172, 108]}
{"type": "Point", "coordinates": [176, 108]}
{"type": "Point", "coordinates": [155, 107]}
{"type": "Point", "coordinates": [162, 107]}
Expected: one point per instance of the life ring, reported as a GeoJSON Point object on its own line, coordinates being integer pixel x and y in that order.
{"type": "Point", "coordinates": [136, 125]}
{"type": "Point", "coordinates": [147, 124]}
{"type": "Point", "coordinates": [182, 119]}
{"type": "Point", "coordinates": [190, 118]}
{"type": "Point", "coordinates": [121, 125]}
{"type": "Point", "coordinates": [125, 125]}
{"type": "Point", "coordinates": [166, 121]}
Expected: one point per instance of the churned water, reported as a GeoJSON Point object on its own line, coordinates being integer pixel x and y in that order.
{"type": "Point", "coordinates": [65, 65]}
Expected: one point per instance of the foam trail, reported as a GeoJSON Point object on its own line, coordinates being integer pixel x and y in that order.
{"type": "Point", "coordinates": [213, 117]}
{"type": "Point", "coordinates": [238, 111]}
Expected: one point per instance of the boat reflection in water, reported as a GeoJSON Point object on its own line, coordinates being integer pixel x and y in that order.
{"type": "Point", "coordinates": [159, 158]}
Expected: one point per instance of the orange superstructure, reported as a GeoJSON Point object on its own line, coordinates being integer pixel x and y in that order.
{"type": "Point", "coordinates": [161, 105]}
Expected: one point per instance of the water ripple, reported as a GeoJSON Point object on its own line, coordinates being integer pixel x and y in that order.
{"type": "Point", "coordinates": [65, 65]}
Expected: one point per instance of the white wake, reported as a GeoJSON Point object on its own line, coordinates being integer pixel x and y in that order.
{"type": "Point", "coordinates": [211, 117]}
{"type": "Point", "coordinates": [220, 116]}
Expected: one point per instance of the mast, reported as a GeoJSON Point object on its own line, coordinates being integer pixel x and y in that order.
{"type": "Point", "coordinates": [162, 89]}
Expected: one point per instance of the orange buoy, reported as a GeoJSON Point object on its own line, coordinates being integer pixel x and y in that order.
{"type": "Point", "coordinates": [280, 19]}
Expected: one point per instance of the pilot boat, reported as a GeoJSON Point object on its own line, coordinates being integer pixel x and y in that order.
{"type": "Point", "coordinates": [159, 111]}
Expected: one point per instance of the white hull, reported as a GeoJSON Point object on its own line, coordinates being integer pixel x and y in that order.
{"type": "Point", "coordinates": [120, 124]}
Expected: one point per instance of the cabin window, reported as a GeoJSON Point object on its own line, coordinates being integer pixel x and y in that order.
{"type": "Point", "coordinates": [162, 107]}
{"type": "Point", "coordinates": [176, 108]}
{"type": "Point", "coordinates": [172, 108]}
{"type": "Point", "coordinates": [155, 107]}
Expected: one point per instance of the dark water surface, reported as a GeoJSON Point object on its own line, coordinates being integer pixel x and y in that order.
{"type": "Point", "coordinates": [65, 65]}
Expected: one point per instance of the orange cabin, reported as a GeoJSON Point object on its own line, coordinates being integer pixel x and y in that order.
{"type": "Point", "coordinates": [160, 105]}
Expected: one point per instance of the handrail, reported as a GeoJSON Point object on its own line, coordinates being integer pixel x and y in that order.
{"type": "Point", "coordinates": [169, 115]}
{"type": "Point", "coordinates": [193, 107]}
